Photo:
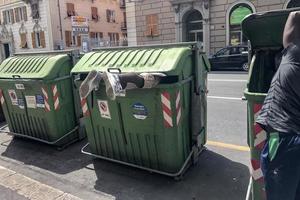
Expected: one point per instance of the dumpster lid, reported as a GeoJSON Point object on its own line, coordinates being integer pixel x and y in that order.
{"type": "Point", "coordinates": [33, 66]}
{"type": "Point", "coordinates": [167, 59]}
{"type": "Point", "coordinates": [269, 24]}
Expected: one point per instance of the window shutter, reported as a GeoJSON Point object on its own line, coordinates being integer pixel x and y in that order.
{"type": "Point", "coordinates": [33, 40]}
{"type": "Point", "coordinates": [79, 41]}
{"type": "Point", "coordinates": [24, 13]}
{"type": "Point", "coordinates": [155, 25]}
{"type": "Point", "coordinates": [148, 24]}
{"type": "Point", "coordinates": [4, 17]}
{"type": "Point", "coordinates": [152, 25]}
{"type": "Point", "coordinates": [108, 15]}
{"type": "Point", "coordinates": [94, 13]}
{"type": "Point", "coordinates": [17, 15]}
{"type": "Point", "coordinates": [23, 40]}
{"type": "Point", "coordinates": [12, 16]}
{"type": "Point", "coordinates": [70, 9]}
{"type": "Point", "coordinates": [43, 40]}
{"type": "Point", "coordinates": [68, 38]}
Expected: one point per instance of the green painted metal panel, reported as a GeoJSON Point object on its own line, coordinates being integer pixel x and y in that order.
{"type": "Point", "coordinates": [270, 25]}
{"type": "Point", "coordinates": [33, 67]}
{"type": "Point", "coordinates": [239, 14]}
{"type": "Point", "coordinates": [37, 96]}
{"type": "Point", "coordinates": [135, 60]}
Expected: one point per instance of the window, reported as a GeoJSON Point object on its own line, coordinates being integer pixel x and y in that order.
{"type": "Point", "coordinates": [72, 40]}
{"type": "Point", "coordinates": [70, 9]}
{"type": "Point", "coordinates": [237, 14]}
{"type": "Point", "coordinates": [38, 39]}
{"type": "Point", "coordinates": [194, 27]}
{"type": "Point", "coordinates": [95, 15]}
{"type": "Point", "coordinates": [293, 4]}
{"type": "Point", "coordinates": [152, 25]}
{"type": "Point", "coordinates": [23, 44]}
{"type": "Point", "coordinates": [223, 52]}
{"type": "Point", "coordinates": [111, 16]}
{"type": "Point", "coordinates": [68, 35]}
{"type": "Point", "coordinates": [114, 39]}
{"type": "Point", "coordinates": [8, 16]}
{"type": "Point", "coordinates": [35, 11]}
{"type": "Point", "coordinates": [21, 14]}
{"type": "Point", "coordinates": [96, 35]}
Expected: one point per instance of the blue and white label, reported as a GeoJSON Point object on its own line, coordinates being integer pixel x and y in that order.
{"type": "Point", "coordinates": [40, 102]}
{"type": "Point", "coordinates": [140, 111]}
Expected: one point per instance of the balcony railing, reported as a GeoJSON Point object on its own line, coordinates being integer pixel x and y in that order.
{"type": "Point", "coordinates": [123, 26]}
{"type": "Point", "coordinates": [98, 43]}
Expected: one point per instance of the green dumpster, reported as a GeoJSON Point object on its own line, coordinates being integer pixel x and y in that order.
{"type": "Point", "coordinates": [158, 129]}
{"type": "Point", "coordinates": [1, 115]}
{"type": "Point", "coordinates": [37, 98]}
{"type": "Point", "coordinates": [266, 47]}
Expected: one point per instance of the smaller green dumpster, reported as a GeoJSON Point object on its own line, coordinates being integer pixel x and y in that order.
{"type": "Point", "coordinates": [266, 48]}
{"type": "Point", "coordinates": [160, 129]}
{"type": "Point", "coordinates": [37, 98]}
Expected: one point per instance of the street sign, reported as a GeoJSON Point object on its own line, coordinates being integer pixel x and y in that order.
{"type": "Point", "coordinates": [80, 30]}
{"type": "Point", "coordinates": [79, 21]}
{"type": "Point", "coordinates": [80, 25]}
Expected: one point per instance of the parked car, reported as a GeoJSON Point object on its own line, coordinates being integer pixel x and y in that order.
{"type": "Point", "coordinates": [230, 58]}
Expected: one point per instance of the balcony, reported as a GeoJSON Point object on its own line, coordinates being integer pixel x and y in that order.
{"type": "Point", "coordinates": [124, 26]}
{"type": "Point", "coordinates": [122, 4]}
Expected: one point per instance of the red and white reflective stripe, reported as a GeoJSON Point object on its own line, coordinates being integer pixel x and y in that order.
{"type": "Point", "coordinates": [178, 107]}
{"type": "Point", "coordinates": [2, 97]}
{"type": "Point", "coordinates": [260, 136]}
{"type": "Point", "coordinates": [167, 110]}
{"type": "Point", "coordinates": [84, 107]}
{"type": "Point", "coordinates": [55, 97]}
{"type": "Point", "coordinates": [256, 170]}
{"type": "Point", "coordinates": [46, 100]}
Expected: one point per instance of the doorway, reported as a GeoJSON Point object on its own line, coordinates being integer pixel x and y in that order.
{"type": "Point", "coordinates": [6, 50]}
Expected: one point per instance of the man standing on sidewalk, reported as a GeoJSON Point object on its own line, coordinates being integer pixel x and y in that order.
{"type": "Point", "coordinates": [280, 117]}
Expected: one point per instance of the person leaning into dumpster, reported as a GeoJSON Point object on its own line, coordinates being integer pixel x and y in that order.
{"type": "Point", "coordinates": [280, 118]}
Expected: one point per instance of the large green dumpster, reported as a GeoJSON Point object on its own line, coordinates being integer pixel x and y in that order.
{"type": "Point", "coordinates": [266, 45]}
{"type": "Point", "coordinates": [159, 129]}
{"type": "Point", "coordinates": [37, 98]}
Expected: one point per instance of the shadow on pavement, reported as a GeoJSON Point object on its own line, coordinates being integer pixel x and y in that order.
{"type": "Point", "coordinates": [213, 178]}
{"type": "Point", "coordinates": [47, 157]}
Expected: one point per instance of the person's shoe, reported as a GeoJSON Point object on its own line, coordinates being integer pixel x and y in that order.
{"type": "Point", "coordinates": [113, 85]}
{"type": "Point", "coordinates": [91, 82]}
{"type": "Point", "coordinates": [151, 80]}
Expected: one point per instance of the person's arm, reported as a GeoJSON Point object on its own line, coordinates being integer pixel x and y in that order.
{"type": "Point", "coordinates": [291, 34]}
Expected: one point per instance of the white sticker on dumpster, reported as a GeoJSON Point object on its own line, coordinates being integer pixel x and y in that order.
{"type": "Point", "coordinates": [104, 109]}
{"type": "Point", "coordinates": [30, 101]}
{"type": "Point", "coordinates": [13, 97]}
{"type": "Point", "coordinates": [20, 86]}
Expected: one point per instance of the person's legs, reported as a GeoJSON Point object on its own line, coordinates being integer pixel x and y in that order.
{"type": "Point", "coordinates": [282, 174]}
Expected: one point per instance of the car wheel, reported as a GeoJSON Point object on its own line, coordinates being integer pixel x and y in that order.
{"type": "Point", "coordinates": [245, 67]}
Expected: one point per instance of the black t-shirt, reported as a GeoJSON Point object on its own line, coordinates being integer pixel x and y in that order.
{"type": "Point", "coordinates": [281, 109]}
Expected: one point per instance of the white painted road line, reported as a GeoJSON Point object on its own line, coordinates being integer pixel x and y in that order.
{"type": "Point", "coordinates": [29, 188]}
{"type": "Point", "coordinates": [228, 80]}
{"type": "Point", "coordinates": [225, 98]}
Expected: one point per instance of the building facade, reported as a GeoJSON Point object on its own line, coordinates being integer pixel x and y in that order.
{"type": "Point", "coordinates": [213, 23]}
{"type": "Point", "coordinates": [45, 25]}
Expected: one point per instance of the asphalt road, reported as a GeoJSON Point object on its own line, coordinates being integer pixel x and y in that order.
{"type": "Point", "coordinates": [221, 174]}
